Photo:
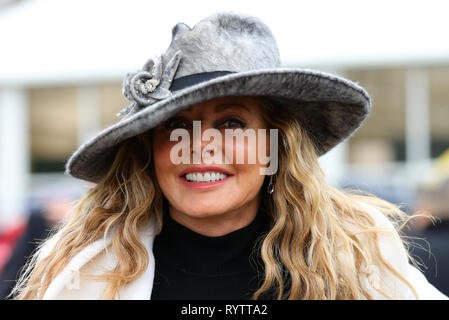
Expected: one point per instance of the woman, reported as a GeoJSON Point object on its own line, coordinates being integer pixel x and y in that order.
{"type": "Point", "coordinates": [166, 222]}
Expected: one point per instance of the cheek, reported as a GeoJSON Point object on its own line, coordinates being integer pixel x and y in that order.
{"type": "Point", "coordinates": [248, 173]}
{"type": "Point", "coordinates": [248, 180]}
{"type": "Point", "coordinates": [161, 155]}
{"type": "Point", "coordinates": [249, 151]}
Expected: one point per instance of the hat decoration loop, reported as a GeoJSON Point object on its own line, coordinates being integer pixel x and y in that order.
{"type": "Point", "coordinates": [149, 85]}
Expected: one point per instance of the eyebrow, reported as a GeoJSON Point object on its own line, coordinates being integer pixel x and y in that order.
{"type": "Point", "coordinates": [227, 105]}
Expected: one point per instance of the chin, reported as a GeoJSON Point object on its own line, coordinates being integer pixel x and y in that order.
{"type": "Point", "coordinates": [203, 211]}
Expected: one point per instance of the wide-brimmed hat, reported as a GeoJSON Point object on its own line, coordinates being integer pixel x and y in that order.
{"type": "Point", "coordinates": [226, 54]}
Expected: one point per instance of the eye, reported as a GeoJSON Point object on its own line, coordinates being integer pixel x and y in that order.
{"type": "Point", "coordinates": [177, 123]}
{"type": "Point", "coordinates": [232, 123]}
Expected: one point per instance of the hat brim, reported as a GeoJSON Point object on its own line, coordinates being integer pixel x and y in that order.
{"type": "Point", "coordinates": [331, 108]}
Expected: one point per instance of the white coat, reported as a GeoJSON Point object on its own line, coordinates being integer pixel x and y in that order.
{"type": "Point", "coordinates": [96, 259]}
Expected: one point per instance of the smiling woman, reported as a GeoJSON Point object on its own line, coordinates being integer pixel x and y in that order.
{"type": "Point", "coordinates": [198, 204]}
{"type": "Point", "coordinates": [155, 228]}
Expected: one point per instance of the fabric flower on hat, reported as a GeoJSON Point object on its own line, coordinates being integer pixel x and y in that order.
{"type": "Point", "coordinates": [149, 85]}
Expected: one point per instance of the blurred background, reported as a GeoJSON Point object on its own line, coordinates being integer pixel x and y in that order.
{"type": "Point", "coordinates": [62, 64]}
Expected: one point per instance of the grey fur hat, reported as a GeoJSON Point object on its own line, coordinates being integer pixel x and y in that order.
{"type": "Point", "coordinates": [225, 54]}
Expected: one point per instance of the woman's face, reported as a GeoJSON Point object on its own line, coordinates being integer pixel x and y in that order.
{"type": "Point", "coordinates": [233, 187]}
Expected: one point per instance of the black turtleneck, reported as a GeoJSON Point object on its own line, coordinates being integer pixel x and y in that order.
{"type": "Point", "coordinates": [193, 266]}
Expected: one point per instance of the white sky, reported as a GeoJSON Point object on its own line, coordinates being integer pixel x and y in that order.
{"type": "Point", "coordinates": [45, 41]}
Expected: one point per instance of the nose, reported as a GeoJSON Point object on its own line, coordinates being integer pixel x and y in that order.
{"type": "Point", "coordinates": [208, 149]}
{"type": "Point", "coordinates": [200, 146]}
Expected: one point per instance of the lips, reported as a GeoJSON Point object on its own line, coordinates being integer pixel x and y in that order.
{"type": "Point", "coordinates": [205, 169]}
{"type": "Point", "coordinates": [204, 177]}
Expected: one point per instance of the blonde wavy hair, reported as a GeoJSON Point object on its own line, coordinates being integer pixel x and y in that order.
{"type": "Point", "coordinates": [299, 251]}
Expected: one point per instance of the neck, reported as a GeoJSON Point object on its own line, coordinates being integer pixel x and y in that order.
{"type": "Point", "coordinates": [217, 224]}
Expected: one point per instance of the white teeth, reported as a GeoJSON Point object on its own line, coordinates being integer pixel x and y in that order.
{"type": "Point", "coordinates": [205, 177]}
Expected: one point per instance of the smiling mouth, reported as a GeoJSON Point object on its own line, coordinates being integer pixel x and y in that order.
{"type": "Point", "coordinates": [208, 176]}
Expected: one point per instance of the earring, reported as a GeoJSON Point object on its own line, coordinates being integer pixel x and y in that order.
{"type": "Point", "coordinates": [270, 188]}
